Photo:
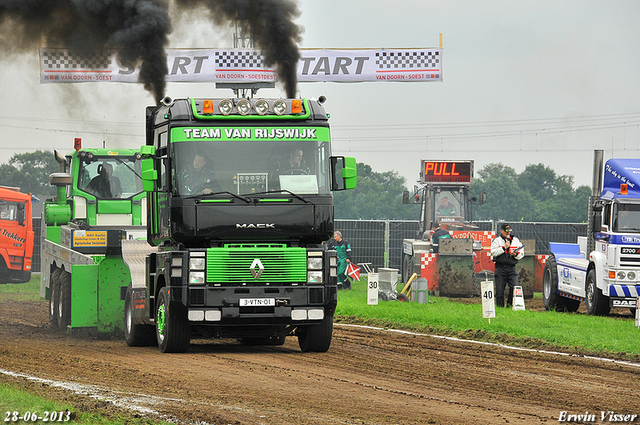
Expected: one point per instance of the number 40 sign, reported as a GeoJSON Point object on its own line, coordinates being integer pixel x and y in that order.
{"type": "Point", "coordinates": [488, 300]}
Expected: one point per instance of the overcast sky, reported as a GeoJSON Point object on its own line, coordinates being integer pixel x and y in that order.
{"type": "Point", "coordinates": [524, 82]}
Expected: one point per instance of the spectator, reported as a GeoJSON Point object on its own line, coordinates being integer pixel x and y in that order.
{"type": "Point", "coordinates": [438, 233]}
{"type": "Point", "coordinates": [343, 250]}
{"type": "Point", "coordinates": [506, 251]}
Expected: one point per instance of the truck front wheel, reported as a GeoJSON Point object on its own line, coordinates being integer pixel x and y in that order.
{"type": "Point", "coordinates": [597, 303]}
{"type": "Point", "coordinates": [136, 335]}
{"type": "Point", "coordinates": [316, 338]}
{"type": "Point", "coordinates": [173, 331]}
{"type": "Point", "coordinates": [552, 300]}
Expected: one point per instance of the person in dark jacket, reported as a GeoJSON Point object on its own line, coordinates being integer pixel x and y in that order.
{"type": "Point", "coordinates": [343, 250]}
{"type": "Point", "coordinates": [506, 251]}
{"type": "Point", "coordinates": [438, 233]}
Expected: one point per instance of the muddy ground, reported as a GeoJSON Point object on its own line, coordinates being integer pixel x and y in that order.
{"type": "Point", "coordinates": [369, 376]}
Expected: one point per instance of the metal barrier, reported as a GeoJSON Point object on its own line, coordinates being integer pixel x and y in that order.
{"type": "Point", "coordinates": [379, 242]}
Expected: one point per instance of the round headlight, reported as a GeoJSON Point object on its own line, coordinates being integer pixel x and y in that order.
{"type": "Point", "coordinates": [261, 107]}
{"type": "Point", "coordinates": [621, 275]}
{"type": "Point", "coordinates": [225, 106]}
{"type": "Point", "coordinates": [631, 275]}
{"type": "Point", "coordinates": [280, 106]}
{"type": "Point", "coordinates": [244, 106]}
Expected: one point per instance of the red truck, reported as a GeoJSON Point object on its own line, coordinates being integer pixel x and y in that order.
{"type": "Point", "coordinates": [16, 236]}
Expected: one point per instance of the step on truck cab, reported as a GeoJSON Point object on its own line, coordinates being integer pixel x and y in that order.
{"type": "Point", "coordinates": [16, 236]}
{"type": "Point", "coordinates": [99, 203]}
{"type": "Point", "coordinates": [602, 269]}
{"type": "Point", "coordinates": [240, 207]}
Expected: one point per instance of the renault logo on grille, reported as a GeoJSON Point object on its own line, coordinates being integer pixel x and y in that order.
{"type": "Point", "coordinates": [256, 268]}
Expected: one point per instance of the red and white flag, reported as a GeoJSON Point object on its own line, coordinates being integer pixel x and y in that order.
{"type": "Point", "coordinates": [353, 271]}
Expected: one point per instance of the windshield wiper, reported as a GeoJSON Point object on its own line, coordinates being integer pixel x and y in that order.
{"type": "Point", "coordinates": [244, 198]}
{"type": "Point", "coordinates": [284, 190]}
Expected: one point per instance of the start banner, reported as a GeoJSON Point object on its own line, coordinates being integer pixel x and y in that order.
{"type": "Point", "coordinates": [241, 65]}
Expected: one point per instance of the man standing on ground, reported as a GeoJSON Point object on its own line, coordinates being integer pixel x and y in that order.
{"type": "Point", "coordinates": [506, 251]}
{"type": "Point", "coordinates": [343, 250]}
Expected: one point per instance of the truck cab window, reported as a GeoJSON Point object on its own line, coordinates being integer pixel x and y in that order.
{"type": "Point", "coordinates": [110, 178]}
{"type": "Point", "coordinates": [8, 211]}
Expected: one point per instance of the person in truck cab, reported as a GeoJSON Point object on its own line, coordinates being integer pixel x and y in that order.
{"type": "Point", "coordinates": [198, 177]}
{"type": "Point", "coordinates": [105, 185]}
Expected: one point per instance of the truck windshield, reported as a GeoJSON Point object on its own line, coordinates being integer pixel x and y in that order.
{"type": "Point", "coordinates": [246, 167]}
{"type": "Point", "coordinates": [8, 210]}
{"type": "Point", "coordinates": [110, 177]}
{"type": "Point", "coordinates": [627, 218]}
{"type": "Point", "coordinates": [448, 206]}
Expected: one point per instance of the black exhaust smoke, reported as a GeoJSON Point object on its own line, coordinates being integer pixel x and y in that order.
{"type": "Point", "coordinates": [272, 29]}
{"type": "Point", "coordinates": [137, 30]}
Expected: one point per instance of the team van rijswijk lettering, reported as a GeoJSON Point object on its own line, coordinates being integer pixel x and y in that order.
{"type": "Point", "coordinates": [604, 416]}
{"type": "Point", "coordinates": [245, 133]}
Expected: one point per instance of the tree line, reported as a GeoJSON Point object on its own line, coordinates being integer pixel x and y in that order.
{"type": "Point", "coordinates": [536, 194]}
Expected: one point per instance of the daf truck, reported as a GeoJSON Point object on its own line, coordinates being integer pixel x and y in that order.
{"type": "Point", "coordinates": [602, 269]}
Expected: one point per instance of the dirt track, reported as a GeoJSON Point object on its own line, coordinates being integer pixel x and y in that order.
{"type": "Point", "coordinates": [368, 376]}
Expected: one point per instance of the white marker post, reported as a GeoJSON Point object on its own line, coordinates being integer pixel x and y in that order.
{"type": "Point", "coordinates": [488, 300]}
{"type": "Point", "coordinates": [638, 312]}
{"type": "Point", "coordinates": [372, 289]}
{"type": "Point", "coordinates": [518, 299]}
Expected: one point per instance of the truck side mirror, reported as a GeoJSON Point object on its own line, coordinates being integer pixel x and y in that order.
{"type": "Point", "coordinates": [149, 174]}
{"type": "Point", "coordinates": [344, 173]}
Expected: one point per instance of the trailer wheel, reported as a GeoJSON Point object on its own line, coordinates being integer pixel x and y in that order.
{"type": "Point", "coordinates": [316, 338]}
{"type": "Point", "coordinates": [173, 331]}
{"type": "Point", "coordinates": [64, 301]}
{"type": "Point", "coordinates": [54, 297]}
{"type": "Point", "coordinates": [136, 335]}
{"type": "Point", "coordinates": [597, 303]}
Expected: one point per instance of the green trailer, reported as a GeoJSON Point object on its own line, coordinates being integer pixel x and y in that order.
{"type": "Point", "coordinates": [99, 203]}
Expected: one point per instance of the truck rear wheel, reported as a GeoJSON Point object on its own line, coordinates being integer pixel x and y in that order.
{"type": "Point", "coordinates": [597, 303]}
{"type": "Point", "coordinates": [54, 297]}
{"type": "Point", "coordinates": [316, 338]}
{"type": "Point", "coordinates": [64, 301]}
{"type": "Point", "coordinates": [136, 335]}
{"type": "Point", "coordinates": [550, 297]}
{"type": "Point", "coordinates": [173, 331]}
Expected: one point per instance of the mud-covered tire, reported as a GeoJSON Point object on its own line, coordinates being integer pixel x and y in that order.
{"type": "Point", "coordinates": [316, 338]}
{"type": "Point", "coordinates": [597, 303]}
{"type": "Point", "coordinates": [54, 297]}
{"type": "Point", "coordinates": [136, 335]}
{"type": "Point", "coordinates": [173, 331]}
{"type": "Point", "coordinates": [64, 301]}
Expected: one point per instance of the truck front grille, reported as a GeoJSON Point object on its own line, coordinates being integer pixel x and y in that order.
{"type": "Point", "coordinates": [241, 264]}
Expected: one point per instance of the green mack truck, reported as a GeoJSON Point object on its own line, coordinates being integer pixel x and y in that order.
{"type": "Point", "coordinates": [240, 205]}
{"type": "Point", "coordinates": [100, 201]}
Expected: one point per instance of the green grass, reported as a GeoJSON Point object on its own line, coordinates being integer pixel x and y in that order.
{"type": "Point", "coordinates": [29, 291]}
{"type": "Point", "coordinates": [614, 336]}
{"type": "Point", "coordinates": [15, 400]}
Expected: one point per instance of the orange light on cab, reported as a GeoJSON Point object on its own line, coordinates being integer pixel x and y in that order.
{"type": "Point", "coordinates": [612, 274]}
{"type": "Point", "coordinates": [207, 107]}
{"type": "Point", "coordinates": [296, 106]}
{"type": "Point", "coordinates": [77, 143]}
{"type": "Point", "coordinates": [624, 189]}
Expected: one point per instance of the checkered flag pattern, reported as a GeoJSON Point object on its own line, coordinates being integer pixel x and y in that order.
{"type": "Point", "coordinates": [239, 59]}
{"type": "Point", "coordinates": [408, 60]}
{"type": "Point", "coordinates": [63, 60]}
{"type": "Point", "coordinates": [425, 259]}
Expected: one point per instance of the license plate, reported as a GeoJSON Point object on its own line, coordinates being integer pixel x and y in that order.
{"type": "Point", "coordinates": [257, 302]}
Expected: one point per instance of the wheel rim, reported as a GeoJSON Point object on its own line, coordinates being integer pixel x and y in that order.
{"type": "Point", "coordinates": [590, 291]}
{"type": "Point", "coordinates": [546, 284]}
{"type": "Point", "coordinates": [161, 322]}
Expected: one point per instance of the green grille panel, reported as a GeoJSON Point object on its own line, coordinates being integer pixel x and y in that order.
{"type": "Point", "coordinates": [282, 265]}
